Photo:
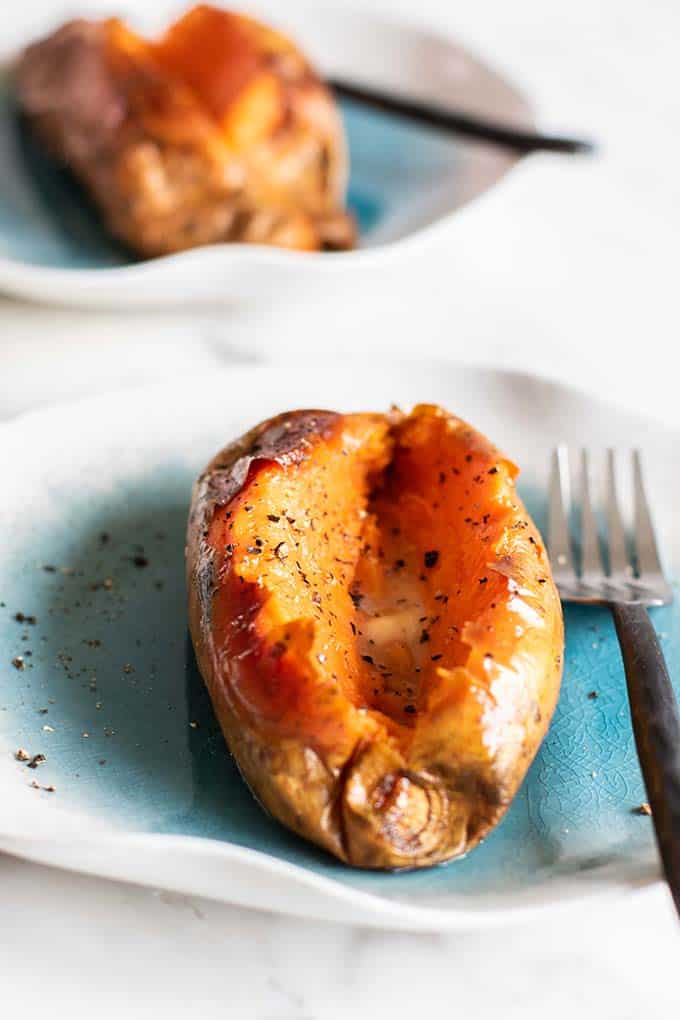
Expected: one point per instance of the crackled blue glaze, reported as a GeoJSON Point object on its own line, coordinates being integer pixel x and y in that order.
{"type": "Point", "coordinates": [110, 670]}
{"type": "Point", "coordinates": [47, 220]}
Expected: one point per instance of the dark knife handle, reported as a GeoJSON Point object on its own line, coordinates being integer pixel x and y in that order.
{"type": "Point", "coordinates": [656, 725]}
{"type": "Point", "coordinates": [455, 122]}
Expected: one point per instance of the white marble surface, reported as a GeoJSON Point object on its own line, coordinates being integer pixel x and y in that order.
{"type": "Point", "coordinates": [568, 270]}
{"type": "Point", "coordinates": [77, 947]}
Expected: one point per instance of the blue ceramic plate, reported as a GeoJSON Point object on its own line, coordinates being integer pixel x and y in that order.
{"type": "Point", "coordinates": [404, 180]}
{"type": "Point", "coordinates": [92, 592]}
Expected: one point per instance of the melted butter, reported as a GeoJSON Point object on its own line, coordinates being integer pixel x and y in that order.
{"type": "Point", "coordinates": [528, 614]}
{"type": "Point", "coordinates": [400, 626]}
{"type": "Point", "coordinates": [390, 622]}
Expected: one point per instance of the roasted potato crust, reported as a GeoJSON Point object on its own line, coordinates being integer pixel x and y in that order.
{"type": "Point", "coordinates": [219, 131]}
{"type": "Point", "coordinates": [374, 616]}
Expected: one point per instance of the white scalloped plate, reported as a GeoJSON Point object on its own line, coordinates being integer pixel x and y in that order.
{"type": "Point", "coordinates": [140, 793]}
{"type": "Point", "coordinates": [405, 182]}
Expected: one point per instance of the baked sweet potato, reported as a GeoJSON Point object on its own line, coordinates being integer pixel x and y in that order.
{"type": "Point", "coordinates": [219, 131]}
{"type": "Point", "coordinates": [374, 616]}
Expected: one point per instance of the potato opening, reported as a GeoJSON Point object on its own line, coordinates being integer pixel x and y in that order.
{"type": "Point", "coordinates": [372, 553]}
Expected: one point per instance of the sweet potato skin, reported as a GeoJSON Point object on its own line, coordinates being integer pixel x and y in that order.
{"type": "Point", "coordinates": [332, 762]}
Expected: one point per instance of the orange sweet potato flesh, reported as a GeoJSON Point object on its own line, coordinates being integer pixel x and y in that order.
{"type": "Point", "coordinates": [374, 616]}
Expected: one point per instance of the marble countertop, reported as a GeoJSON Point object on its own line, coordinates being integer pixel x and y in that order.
{"type": "Point", "coordinates": [72, 946]}
{"type": "Point", "coordinates": [568, 270]}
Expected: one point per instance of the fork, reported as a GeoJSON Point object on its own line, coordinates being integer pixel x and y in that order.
{"type": "Point", "coordinates": [629, 587]}
{"type": "Point", "coordinates": [469, 125]}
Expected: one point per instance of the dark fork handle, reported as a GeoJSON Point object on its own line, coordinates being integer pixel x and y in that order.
{"type": "Point", "coordinates": [482, 129]}
{"type": "Point", "coordinates": [656, 725]}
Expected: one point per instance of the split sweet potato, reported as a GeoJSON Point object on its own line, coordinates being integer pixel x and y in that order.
{"type": "Point", "coordinates": [220, 130]}
{"type": "Point", "coordinates": [373, 612]}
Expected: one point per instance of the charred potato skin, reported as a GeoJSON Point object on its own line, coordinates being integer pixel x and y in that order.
{"type": "Point", "coordinates": [475, 742]}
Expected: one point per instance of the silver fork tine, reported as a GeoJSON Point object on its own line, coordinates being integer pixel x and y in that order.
{"type": "Point", "coordinates": [646, 549]}
{"type": "Point", "coordinates": [592, 570]}
{"type": "Point", "coordinates": [620, 567]}
{"type": "Point", "coordinates": [559, 538]}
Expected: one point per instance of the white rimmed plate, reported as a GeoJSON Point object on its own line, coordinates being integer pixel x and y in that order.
{"type": "Point", "coordinates": [109, 688]}
{"type": "Point", "coordinates": [405, 182]}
